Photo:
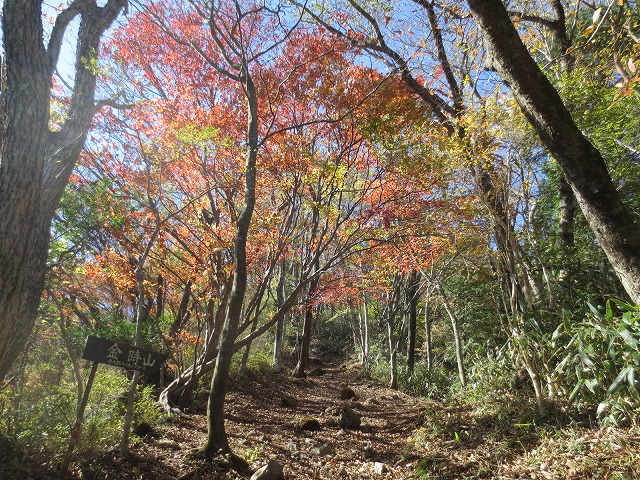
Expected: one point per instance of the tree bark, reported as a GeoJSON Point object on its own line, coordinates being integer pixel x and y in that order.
{"type": "Point", "coordinates": [616, 230]}
{"type": "Point", "coordinates": [217, 437]}
{"type": "Point", "coordinates": [412, 300]}
{"type": "Point", "coordinates": [36, 162]}
{"type": "Point", "coordinates": [307, 327]}
{"type": "Point", "coordinates": [456, 335]}
{"type": "Point", "coordinates": [281, 326]}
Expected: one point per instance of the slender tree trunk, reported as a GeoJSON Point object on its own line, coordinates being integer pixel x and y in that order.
{"type": "Point", "coordinates": [393, 351]}
{"type": "Point", "coordinates": [365, 337]}
{"type": "Point", "coordinates": [456, 335]}
{"type": "Point", "coordinates": [363, 318]}
{"type": "Point", "coordinates": [412, 300]}
{"type": "Point", "coordinates": [428, 345]}
{"type": "Point", "coordinates": [141, 314]}
{"type": "Point", "coordinates": [390, 313]}
{"type": "Point", "coordinates": [247, 348]}
{"type": "Point", "coordinates": [307, 329]}
{"type": "Point", "coordinates": [566, 216]}
{"type": "Point", "coordinates": [216, 436]}
{"type": "Point", "coordinates": [281, 326]}
{"type": "Point", "coordinates": [616, 229]}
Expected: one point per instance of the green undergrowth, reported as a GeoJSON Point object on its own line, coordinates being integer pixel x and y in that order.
{"type": "Point", "coordinates": [486, 431]}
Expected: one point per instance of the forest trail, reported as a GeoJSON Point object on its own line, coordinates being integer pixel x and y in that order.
{"type": "Point", "coordinates": [401, 437]}
{"type": "Point", "coordinates": [263, 423]}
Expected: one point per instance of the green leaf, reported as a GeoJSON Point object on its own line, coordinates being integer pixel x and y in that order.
{"type": "Point", "coordinates": [575, 392]}
{"type": "Point", "coordinates": [586, 360]}
{"type": "Point", "coordinates": [624, 306]}
{"type": "Point", "coordinates": [609, 311]}
{"type": "Point", "coordinates": [591, 384]}
{"type": "Point", "coordinates": [617, 383]}
{"type": "Point", "coordinates": [631, 378]}
{"type": "Point", "coordinates": [629, 339]}
{"type": "Point", "coordinates": [593, 309]}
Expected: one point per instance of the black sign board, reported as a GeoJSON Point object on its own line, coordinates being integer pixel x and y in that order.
{"type": "Point", "coordinates": [120, 354]}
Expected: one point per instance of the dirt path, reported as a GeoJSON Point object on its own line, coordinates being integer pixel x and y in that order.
{"type": "Point", "coordinates": [263, 417]}
{"type": "Point", "coordinates": [401, 437]}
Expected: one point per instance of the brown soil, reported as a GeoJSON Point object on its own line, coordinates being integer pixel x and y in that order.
{"type": "Point", "coordinates": [262, 422]}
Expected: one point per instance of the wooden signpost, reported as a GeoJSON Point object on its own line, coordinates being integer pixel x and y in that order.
{"type": "Point", "coordinates": [118, 354]}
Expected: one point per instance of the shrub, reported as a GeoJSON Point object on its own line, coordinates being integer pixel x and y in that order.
{"type": "Point", "coordinates": [600, 359]}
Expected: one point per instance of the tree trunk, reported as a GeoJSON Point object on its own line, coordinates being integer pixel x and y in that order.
{"type": "Point", "coordinates": [456, 335]}
{"type": "Point", "coordinates": [363, 318]}
{"type": "Point", "coordinates": [216, 436]}
{"type": "Point", "coordinates": [390, 313]}
{"type": "Point", "coordinates": [393, 360]}
{"type": "Point", "coordinates": [412, 300]}
{"type": "Point", "coordinates": [307, 328]}
{"type": "Point", "coordinates": [566, 217]}
{"type": "Point", "coordinates": [281, 326]}
{"type": "Point", "coordinates": [247, 348]}
{"type": "Point", "coordinates": [365, 337]}
{"type": "Point", "coordinates": [617, 231]}
{"type": "Point", "coordinates": [428, 345]}
{"type": "Point", "coordinates": [36, 163]}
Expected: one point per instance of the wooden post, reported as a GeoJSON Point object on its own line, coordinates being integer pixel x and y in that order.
{"type": "Point", "coordinates": [75, 433]}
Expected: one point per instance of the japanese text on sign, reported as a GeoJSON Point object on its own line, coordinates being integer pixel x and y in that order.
{"type": "Point", "coordinates": [121, 354]}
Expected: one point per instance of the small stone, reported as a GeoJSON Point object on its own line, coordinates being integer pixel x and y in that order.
{"type": "Point", "coordinates": [379, 468]}
{"type": "Point", "coordinates": [331, 422]}
{"type": "Point", "coordinates": [334, 411]}
{"type": "Point", "coordinates": [286, 401]}
{"type": "Point", "coordinates": [322, 450]}
{"type": "Point", "coordinates": [144, 429]}
{"type": "Point", "coordinates": [271, 471]}
{"type": "Point", "coordinates": [368, 451]}
{"type": "Point", "coordinates": [349, 418]}
{"type": "Point", "coordinates": [346, 393]}
{"type": "Point", "coordinates": [309, 424]}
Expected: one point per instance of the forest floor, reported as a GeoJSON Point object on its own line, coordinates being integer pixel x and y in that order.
{"type": "Point", "coordinates": [401, 437]}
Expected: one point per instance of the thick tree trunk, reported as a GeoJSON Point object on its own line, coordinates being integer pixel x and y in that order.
{"type": "Point", "coordinates": [617, 231]}
{"type": "Point", "coordinates": [36, 163]}
{"type": "Point", "coordinates": [23, 237]}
